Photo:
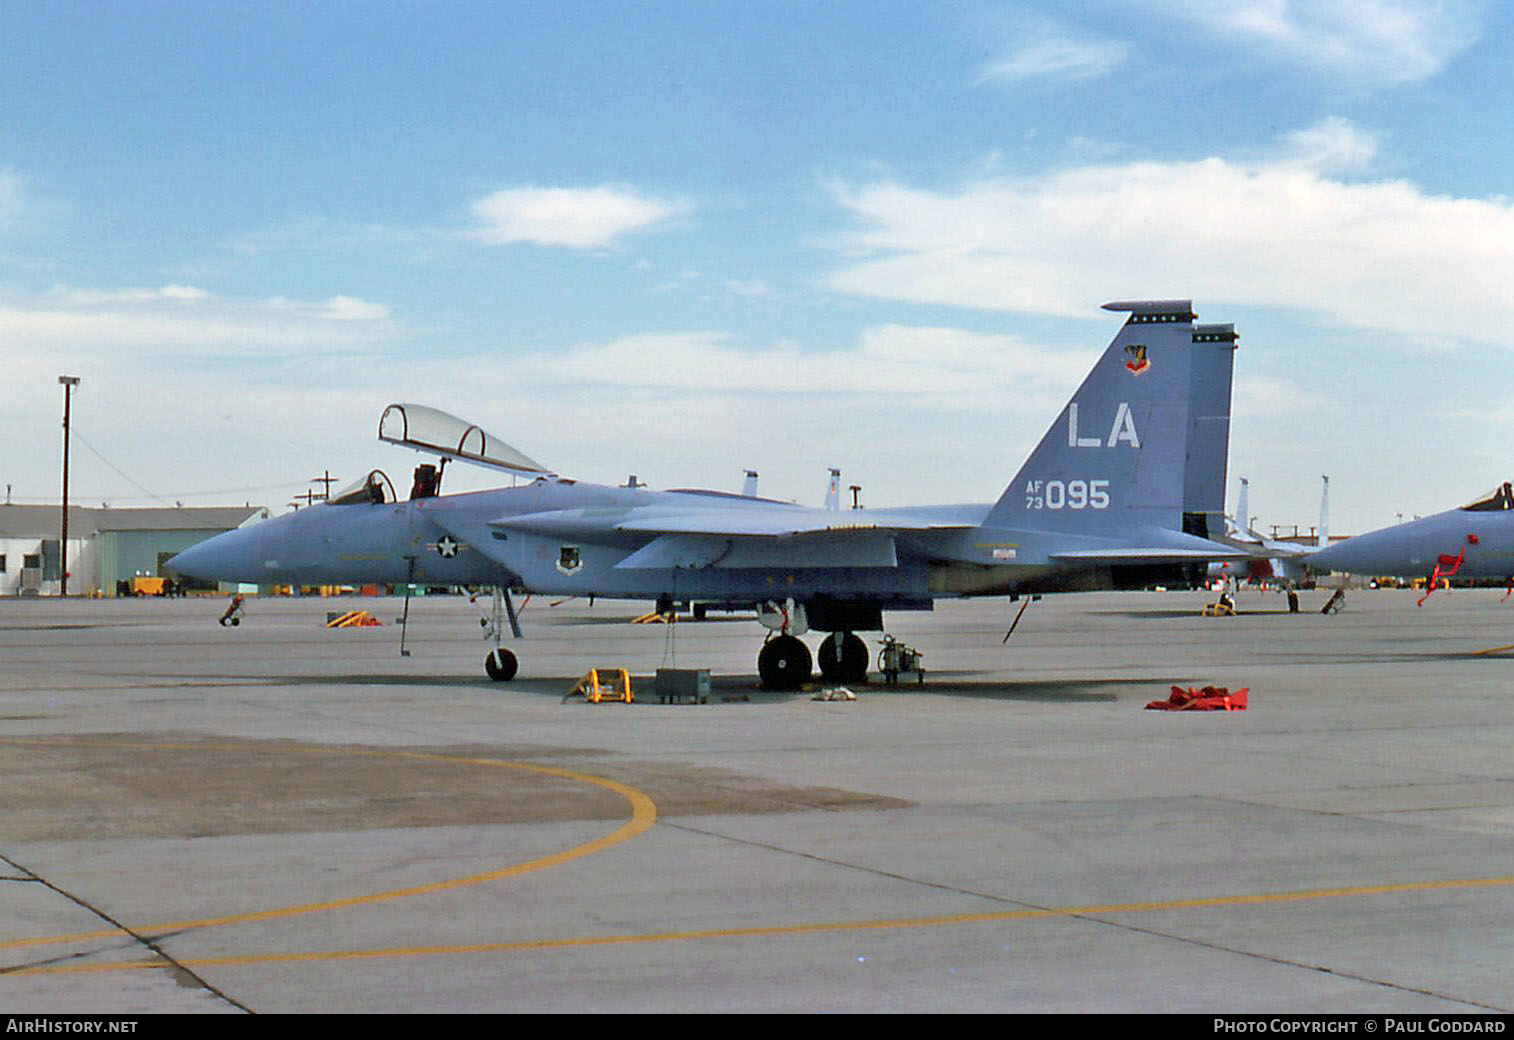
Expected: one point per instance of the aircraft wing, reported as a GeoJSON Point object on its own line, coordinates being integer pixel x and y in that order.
{"type": "Point", "coordinates": [850, 549]}
{"type": "Point", "coordinates": [732, 522]}
{"type": "Point", "coordinates": [767, 523]}
{"type": "Point", "coordinates": [773, 538]}
{"type": "Point", "coordinates": [735, 536]}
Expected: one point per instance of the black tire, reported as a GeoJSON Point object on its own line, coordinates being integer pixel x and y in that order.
{"type": "Point", "coordinates": [784, 663]}
{"type": "Point", "coordinates": [501, 665]}
{"type": "Point", "coordinates": [843, 658]}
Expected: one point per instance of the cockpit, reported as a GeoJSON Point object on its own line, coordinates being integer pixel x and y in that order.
{"type": "Point", "coordinates": [1497, 500]}
{"type": "Point", "coordinates": [374, 489]}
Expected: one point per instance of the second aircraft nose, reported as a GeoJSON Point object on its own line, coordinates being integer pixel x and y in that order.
{"type": "Point", "coordinates": [1380, 552]}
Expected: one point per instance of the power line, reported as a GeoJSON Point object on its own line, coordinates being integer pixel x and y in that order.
{"type": "Point", "coordinates": [166, 498]}
{"type": "Point", "coordinates": [118, 471]}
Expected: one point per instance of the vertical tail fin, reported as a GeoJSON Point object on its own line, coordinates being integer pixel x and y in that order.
{"type": "Point", "coordinates": [1324, 515]}
{"type": "Point", "coordinates": [1212, 358]}
{"type": "Point", "coordinates": [833, 490]}
{"type": "Point", "coordinates": [1144, 440]}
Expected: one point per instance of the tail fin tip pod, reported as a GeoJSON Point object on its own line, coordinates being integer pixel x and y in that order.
{"type": "Point", "coordinates": [1143, 440]}
{"type": "Point", "coordinates": [1154, 310]}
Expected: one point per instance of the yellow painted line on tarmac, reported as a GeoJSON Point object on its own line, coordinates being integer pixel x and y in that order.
{"type": "Point", "coordinates": [1109, 909]}
{"type": "Point", "coordinates": [1493, 650]}
{"type": "Point", "coordinates": [643, 816]}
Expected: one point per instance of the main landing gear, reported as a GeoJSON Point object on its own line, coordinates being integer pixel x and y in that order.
{"type": "Point", "coordinates": [785, 664]}
{"type": "Point", "coordinates": [843, 658]}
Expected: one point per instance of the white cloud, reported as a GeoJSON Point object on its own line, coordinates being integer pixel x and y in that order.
{"type": "Point", "coordinates": [580, 218]}
{"type": "Point", "coordinates": [315, 234]}
{"type": "Point", "coordinates": [890, 365]}
{"type": "Point", "coordinates": [915, 413]}
{"type": "Point", "coordinates": [748, 287]}
{"type": "Point", "coordinates": [1370, 42]}
{"type": "Point", "coordinates": [1051, 54]}
{"type": "Point", "coordinates": [88, 298]}
{"type": "Point", "coordinates": [337, 308]}
{"type": "Point", "coordinates": [22, 209]}
{"type": "Point", "coordinates": [1380, 254]}
{"type": "Point", "coordinates": [1333, 145]}
{"type": "Point", "coordinates": [12, 193]}
{"type": "Point", "coordinates": [179, 319]}
{"type": "Point", "coordinates": [1274, 396]}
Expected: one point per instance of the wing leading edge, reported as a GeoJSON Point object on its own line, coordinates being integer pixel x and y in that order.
{"type": "Point", "coordinates": [734, 522]}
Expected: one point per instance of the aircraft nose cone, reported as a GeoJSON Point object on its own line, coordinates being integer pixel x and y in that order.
{"type": "Point", "coordinates": [1380, 552]}
{"type": "Point", "coordinates": [190, 562]}
{"type": "Point", "coordinates": [226, 557]}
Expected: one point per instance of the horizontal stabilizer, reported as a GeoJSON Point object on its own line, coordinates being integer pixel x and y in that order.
{"type": "Point", "coordinates": [1155, 554]}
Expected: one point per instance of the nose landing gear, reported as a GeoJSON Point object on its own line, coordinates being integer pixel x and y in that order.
{"type": "Point", "coordinates": [500, 664]}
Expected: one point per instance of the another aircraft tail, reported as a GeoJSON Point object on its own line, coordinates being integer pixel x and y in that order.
{"type": "Point", "coordinates": [1144, 440]}
{"type": "Point", "coordinates": [1324, 515]}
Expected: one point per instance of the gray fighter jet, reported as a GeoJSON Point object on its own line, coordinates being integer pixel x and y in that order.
{"type": "Point", "coordinates": [1126, 490]}
{"type": "Point", "coordinates": [1475, 541]}
{"type": "Point", "coordinates": [1270, 560]}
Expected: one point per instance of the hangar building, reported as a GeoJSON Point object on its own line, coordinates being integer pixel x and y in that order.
{"type": "Point", "coordinates": [105, 546]}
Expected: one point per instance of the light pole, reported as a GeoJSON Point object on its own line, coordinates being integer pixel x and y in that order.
{"type": "Point", "coordinates": [69, 382]}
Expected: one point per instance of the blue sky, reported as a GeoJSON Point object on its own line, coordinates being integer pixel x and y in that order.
{"type": "Point", "coordinates": [684, 239]}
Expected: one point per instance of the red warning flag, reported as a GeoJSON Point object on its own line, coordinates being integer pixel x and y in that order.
{"type": "Point", "coordinates": [1208, 698]}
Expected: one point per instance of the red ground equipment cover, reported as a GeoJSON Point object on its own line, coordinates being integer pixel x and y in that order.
{"type": "Point", "coordinates": [1209, 698]}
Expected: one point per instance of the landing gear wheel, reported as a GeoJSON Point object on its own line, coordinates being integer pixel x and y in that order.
{"type": "Point", "coordinates": [843, 658]}
{"type": "Point", "coordinates": [501, 665]}
{"type": "Point", "coordinates": [784, 663]}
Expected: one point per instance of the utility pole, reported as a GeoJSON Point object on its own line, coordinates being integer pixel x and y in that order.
{"type": "Point", "coordinates": [326, 480]}
{"type": "Point", "coordinates": [69, 382]}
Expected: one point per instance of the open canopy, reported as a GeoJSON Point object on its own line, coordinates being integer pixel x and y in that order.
{"type": "Point", "coordinates": [431, 430]}
{"type": "Point", "coordinates": [1500, 498]}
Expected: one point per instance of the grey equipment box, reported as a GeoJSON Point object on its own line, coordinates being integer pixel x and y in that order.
{"type": "Point", "coordinates": [677, 684]}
